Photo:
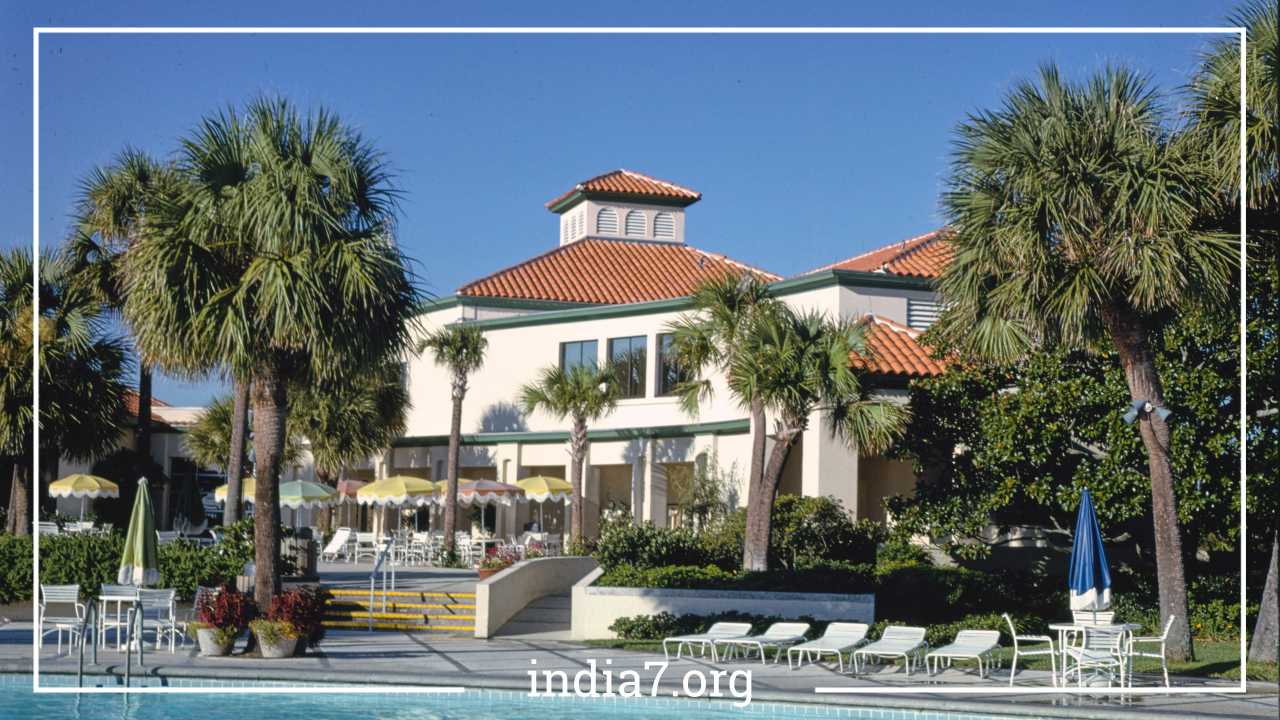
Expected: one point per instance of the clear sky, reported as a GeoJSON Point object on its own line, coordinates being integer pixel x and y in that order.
{"type": "Point", "coordinates": [807, 149]}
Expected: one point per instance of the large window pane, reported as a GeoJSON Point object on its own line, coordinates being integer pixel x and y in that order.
{"type": "Point", "coordinates": [628, 357]}
{"type": "Point", "coordinates": [578, 353]}
{"type": "Point", "coordinates": [670, 374]}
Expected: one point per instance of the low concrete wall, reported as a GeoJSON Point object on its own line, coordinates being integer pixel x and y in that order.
{"type": "Point", "coordinates": [501, 596]}
{"type": "Point", "coordinates": [595, 608]}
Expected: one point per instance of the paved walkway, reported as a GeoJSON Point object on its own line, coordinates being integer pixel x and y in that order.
{"type": "Point", "coordinates": [416, 659]}
{"type": "Point", "coordinates": [408, 577]}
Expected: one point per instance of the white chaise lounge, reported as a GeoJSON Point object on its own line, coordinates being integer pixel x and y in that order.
{"type": "Point", "coordinates": [779, 636]}
{"type": "Point", "coordinates": [897, 641]}
{"type": "Point", "coordinates": [838, 639]}
{"type": "Point", "coordinates": [339, 545]}
{"type": "Point", "coordinates": [706, 640]}
{"type": "Point", "coordinates": [977, 645]}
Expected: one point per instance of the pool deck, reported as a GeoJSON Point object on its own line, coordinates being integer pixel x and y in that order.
{"type": "Point", "coordinates": [417, 659]}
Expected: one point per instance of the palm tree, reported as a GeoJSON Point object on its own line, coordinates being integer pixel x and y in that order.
{"type": "Point", "coordinates": [583, 394]}
{"type": "Point", "coordinates": [16, 386]}
{"type": "Point", "coordinates": [797, 364]}
{"type": "Point", "coordinates": [461, 349]}
{"type": "Point", "coordinates": [274, 259]}
{"type": "Point", "coordinates": [1074, 214]}
{"type": "Point", "coordinates": [1215, 113]}
{"type": "Point", "coordinates": [710, 340]}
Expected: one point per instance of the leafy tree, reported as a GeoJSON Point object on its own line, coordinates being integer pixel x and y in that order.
{"type": "Point", "coordinates": [273, 259]}
{"type": "Point", "coordinates": [1075, 217]}
{"type": "Point", "coordinates": [460, 348]}
{"type": "Point", "coordinates": [583, 394]}
{"type": "Point", "coordinates": [798, 364]}
{"type": "Point", "coordinates": [1215, 112]}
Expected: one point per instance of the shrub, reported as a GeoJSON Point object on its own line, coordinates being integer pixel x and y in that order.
{"type": "Point", "coordinates": [665, 624]}
{"type": "Point", "coordinates": [645, 546]}
{"type": "Point", "coordinates": [227, 611]}
{"type": "Point", "coordinates": [925, 594]}
{"type": "Point", "coordinates": [15, 568]}
{"type": "Point", "coordinates": [809, 529]}
{"type": "Point", "coordinates": [502, 558]}
{"type": "Point", "coordinates": [271, 632]}
{"type": "Point", "coordinates": [303, 608]}
{"type": "Point", "coordinates": [77, 559]}
{"type": "Point", "coordinates": [671, 576]}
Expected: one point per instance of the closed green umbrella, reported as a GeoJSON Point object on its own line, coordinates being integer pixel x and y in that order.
{"type": "Point", "coordinates": [139, 563]}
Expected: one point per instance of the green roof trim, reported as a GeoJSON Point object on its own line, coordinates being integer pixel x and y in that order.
{"type": "Point", "coordinates": [724, 427]}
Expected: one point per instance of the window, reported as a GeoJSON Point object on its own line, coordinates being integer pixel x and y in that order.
{"type": "Point", "coordinates": [607, 222]}
{"type": "Point", "coordinates": [578, 353]}
{"type": "Point", "coordinates": [635, 224]}
{"type": "Point", "coordinates": [670, 374]}
{"type": "Point", "coordinates": [628, 355]}
{"type": "Point", "coordinates": [664, 225]}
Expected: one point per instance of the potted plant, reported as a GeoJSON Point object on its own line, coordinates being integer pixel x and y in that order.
{"type": "Point", "coordinates": [496, 562]}
{"type": "Point", "coordinates": [276, 638]}
{"type": "Point", "coordinates": [220, 618]}
{"type": "Point", "coordinates": [302, 608]}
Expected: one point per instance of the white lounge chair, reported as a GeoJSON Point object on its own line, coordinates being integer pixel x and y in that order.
{"type": "Point", "coordinates": [897, 641]}
{"type": "Point", "coordinates": [706, 640]}
{"type": "Point", "coordinates": [979, 645]}
{"type": "Point", "coordinates": [837, 639]}
{"type": "Point", "coordinates": [779, 636]}
{"type": "Point", "coordinates": [67, 596]}
{"type": "Point", "coordinates": [1152, 640]}
{"type": "Point", "coordinates": [1020, 651]}
{"type": "Point", "coordinates": [338, 545]}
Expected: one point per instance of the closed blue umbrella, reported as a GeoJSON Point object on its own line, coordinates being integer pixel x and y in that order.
{"type": "Point", "coordinates": [1090, 581]}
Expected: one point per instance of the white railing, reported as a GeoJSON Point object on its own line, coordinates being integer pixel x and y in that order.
{"type": "Point", "coordinates": [385, 568]}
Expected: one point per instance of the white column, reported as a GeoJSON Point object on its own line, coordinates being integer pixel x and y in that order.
{"type": "Point", "coordinates": [655, 489]}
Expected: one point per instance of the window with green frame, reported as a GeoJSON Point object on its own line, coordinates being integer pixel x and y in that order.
{"type": "Point", "coordinates": [627, 354]}
{"type": "Point", "coordinates": [577, 354]}
{"type": "Point", "coordinates": [670, 374]}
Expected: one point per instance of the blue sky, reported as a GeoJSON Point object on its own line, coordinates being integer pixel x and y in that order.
{"type": "Point", "coordinates": [806, 149]}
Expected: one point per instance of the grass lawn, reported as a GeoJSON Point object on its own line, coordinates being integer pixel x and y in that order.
{"type": "Point", "coordinates": [1213, 659]}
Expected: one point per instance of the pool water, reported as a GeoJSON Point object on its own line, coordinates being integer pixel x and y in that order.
{"type": "Point", "coordinates": [18, 701]}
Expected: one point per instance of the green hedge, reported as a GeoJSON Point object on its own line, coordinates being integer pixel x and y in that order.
{"type": "Point", "coordinates": [16, 568]}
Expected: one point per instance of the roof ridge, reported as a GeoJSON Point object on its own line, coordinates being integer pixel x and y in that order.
{"type": "Point", "coordinates": [905, 250]}
{"type": "Point", "coordinates": [892, 324]}
{"type": "Point", "coordinates": [650, 178]}
{"type": "Point", "coordinates": [739, 263]}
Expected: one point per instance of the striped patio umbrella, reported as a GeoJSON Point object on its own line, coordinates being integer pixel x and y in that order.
{"type": "Point", "coordinates": [298, 494]}
{"type": "Point", "coordinates": [1090, 581]}
{"type": "Point", "coordinates": [139, 563]}
{"type": "Point", "coordinates": [84, 487]}
{"type": "Point", "coordinates": [396, 490]}
{"type": "Point", "coordinates": [247, 488]}
{"type": "Point", "coordinates": [488, 492]}
{"type": "Point", "coordinates": [545, 488]}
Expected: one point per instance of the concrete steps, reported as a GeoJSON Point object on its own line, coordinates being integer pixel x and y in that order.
{"type": "Point", "coordinates": [403, 611]}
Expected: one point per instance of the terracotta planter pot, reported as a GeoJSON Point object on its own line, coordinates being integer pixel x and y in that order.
{"type": "Point", "coordinates": [209, 645]}
{"type": "Point", "coordinates": [282, 648]}
{"type": "Point", "coordinates": [489, 572]}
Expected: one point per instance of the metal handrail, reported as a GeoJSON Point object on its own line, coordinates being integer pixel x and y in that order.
{"type": "Point", "coordinates": [387, 569]}
{"type": "Point", "coordinates": [92, 613]}
{"type": "Point", "coordinates": [134, 618]}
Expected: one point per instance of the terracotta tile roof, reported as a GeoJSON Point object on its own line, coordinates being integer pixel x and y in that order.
{"type": "Point", "coordinates": [627, 183]}
{"type": "Point", "coordinates": [131, 402]}
{"type": "Point", "coordinates": [895, 350]}
{"type": "Point", "coordinates": [922, 256]}
{"type": "Point", "coordinates": [609, 272]}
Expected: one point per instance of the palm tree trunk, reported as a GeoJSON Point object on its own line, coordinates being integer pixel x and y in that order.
{"type": "Point", "coordinates": [1131, 339]}
{"type": "Point", "coordinates": [18, 521]}
{"type": "Point", "coordinates": [451, 487]}
{"type": "Point", "coordinates": [758, 434]}
{"type": "Point", "coordinates": [324, 518]}
{"type": "Point", "coordinates": [760, 497]}
{"type": "Point", "coordinates": [235, 459]}
{"type": "Point", "coordinates": [578, 451]}
{"type": "Point", "coordinates": [143, 444]}
{"type": "Point", "coordinates": [270, 408]}
{"type": "Point", "coordinates": [1265, 645]}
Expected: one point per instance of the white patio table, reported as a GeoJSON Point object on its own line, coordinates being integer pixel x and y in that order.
{"type": "Point", "coordinates": [1063, 628]}
{"type": "Point", "coordinates": [121, 597]}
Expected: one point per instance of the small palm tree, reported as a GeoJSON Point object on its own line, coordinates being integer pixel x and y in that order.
{"type": "Point", "coordinates": [273, 260]}
{"type": "Point", "coordinates": [460, 348]}
{"type": "Point", "coordinates": [1075, 224]}
{"type": "Point", "coordinates": [209, 439]}
{"type": "Point", "coordinates": [799, 363]}
{"type": "Point", "coordinates": [583, 394]}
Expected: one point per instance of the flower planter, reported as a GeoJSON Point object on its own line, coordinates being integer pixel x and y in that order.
{"type": "Point", "coordinates": [486, 573]}
{"type": "Point", "coordinates": [281, 648]}
{"type": "Point", "coordinates": [209, 644]}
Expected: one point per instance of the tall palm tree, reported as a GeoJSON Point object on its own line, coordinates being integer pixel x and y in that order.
{"type": "Point", "coordinates": [583, 394]}
{"type": "Point", "coordinates": [1075, 217]}
{"type": "Point", "coordinates": [460, 348]}
{"type": "Point", "coordinates": [16, 386]}
{"type": "Point", "coordinates": [709, 340]}
{"type": "Point", "coordinates": [1215, 113]}
{"type": "Point", "coordinates": [274, 259]}
{"type": "Point", "coordinates": [797, 364]}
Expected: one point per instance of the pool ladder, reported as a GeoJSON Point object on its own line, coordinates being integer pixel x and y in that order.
{"type": "Point", "coordinates": [132, 631]}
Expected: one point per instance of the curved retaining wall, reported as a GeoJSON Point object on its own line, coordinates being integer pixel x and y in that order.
{"type": "Point", "coordinates": [501, 596]}
{"type": "Point", "coordinates": [596, 608]}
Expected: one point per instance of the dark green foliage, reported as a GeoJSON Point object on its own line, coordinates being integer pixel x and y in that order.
{"type": "Point", "coordinates": [646, 546]}
{"type": "Point", "coordinates": [15, 568]}
{"type": "Point", "coordinates": [819, 529]}
{"type": "Point", "coordinates": [665, 624]}
{"type": "Point", "coordinates": [123, 467]}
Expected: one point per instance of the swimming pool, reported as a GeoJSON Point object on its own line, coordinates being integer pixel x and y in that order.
{"type": "Point", "coordinates": [17, 701]}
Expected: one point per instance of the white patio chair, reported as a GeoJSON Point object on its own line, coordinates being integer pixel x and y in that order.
{"type": "Point", "coordinates": [837, 639]}
{"type": "Point", "coordinates": [779, 636]}
{"type": "Point", "coordinates": [1081, 618]}
{"type": "Point", "coordinates": [706, 640]}
{"type": "Point", "coordinates": [1019, 651]}
{"type": "Point", "coordinates": [366, 546]}
{"type": "Point", "coordinates": [1101, 651]}
{"type": "Point", "coordinates": [977, 645]}
{"type": "Point", "coordinates": [1159, 640]}
{"type": "Point", "coordinates": [338, 545]}
{"type": "Point", "coordinates": [48, 528]}
{"type": "Point", "coordinates": [67, 597]}
{"type": "Point", "coordinates": [164, 537]}
{"type": "Point", "coordinates": [897, 641]}
{"type": "Point", "coordinates": [159, 615]}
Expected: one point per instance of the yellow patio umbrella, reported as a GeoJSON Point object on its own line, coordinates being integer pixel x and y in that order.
{"type": "Point", "coordinates": [544, 488]}
{"type": "Point", "coordinates": [84, 486]}
{"type": "Point", "coordinates": [397, 490]}
{"type": "Point", "coordinates": [247, 488]}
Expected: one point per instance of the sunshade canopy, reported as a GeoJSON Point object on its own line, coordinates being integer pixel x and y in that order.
{"type": "Point", "coordinates": [297, 494]}
{"type": "Point", "coordinates": [84, 486]}
{"type": "Point", "coordinates": [247, 489]}
{"type": "Point", "coordinates": [488, 492]}
{"type": "Point", "coordinates": [545, 488]}
{"type": "Point", "coordinates": [396, 490]}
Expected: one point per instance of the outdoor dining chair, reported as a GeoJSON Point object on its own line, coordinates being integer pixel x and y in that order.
{"type": "Point", "coordinates": [159, 615]}
{"type": "Point", "coordinates": [68, 598]}
{"type": "Point", "coordinates": [1158, 640]}
{"type": "Point", "coordinates": [1019, 649]}
{"type": "Point", "coordinates": [366, 546]}
{"type": "Point", "coordinates": [1101, 651]}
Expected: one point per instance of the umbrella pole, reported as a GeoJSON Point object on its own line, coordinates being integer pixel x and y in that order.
{"type": "Point", "coordinates": [81, 509]}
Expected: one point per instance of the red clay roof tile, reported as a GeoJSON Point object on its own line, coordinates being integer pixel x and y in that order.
{"type": "Point", "coordinates": [895, 350]}
{"type": "Point", "coordinates": [922, 256]}
{"type": "Point", "coordinates": [627, 183]}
